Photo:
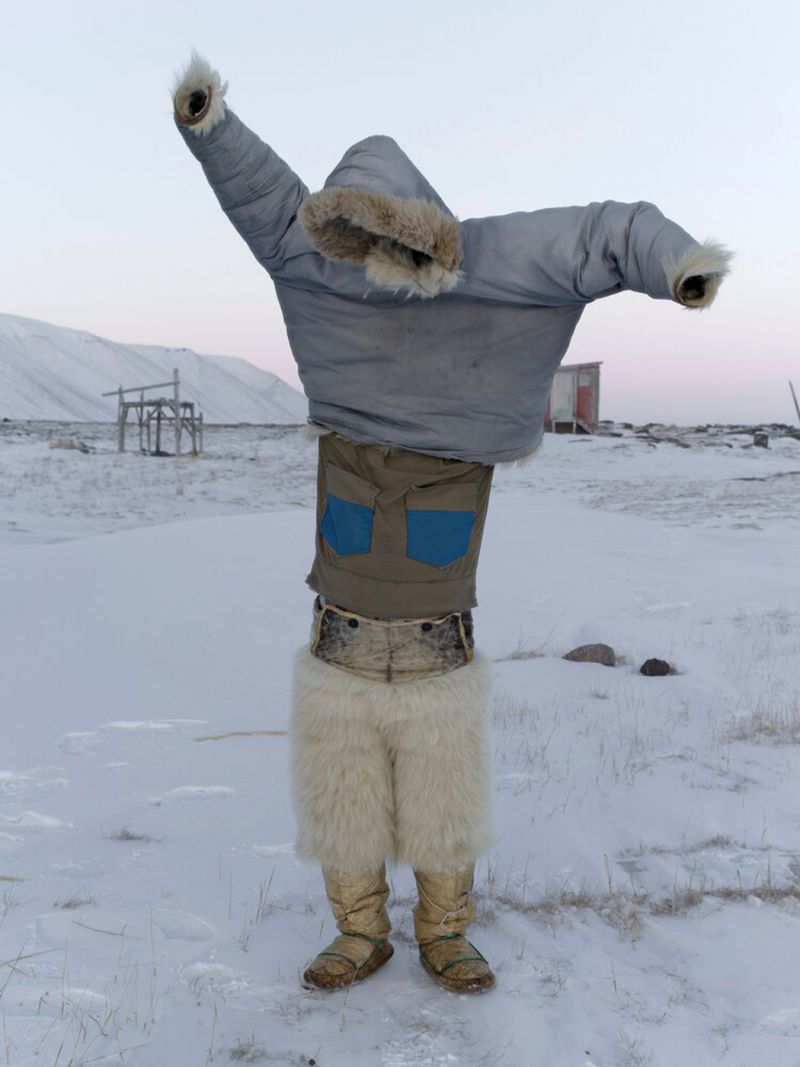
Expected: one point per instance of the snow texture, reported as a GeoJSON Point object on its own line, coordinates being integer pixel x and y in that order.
{"type": "Point", "coordinates": [641, 905]}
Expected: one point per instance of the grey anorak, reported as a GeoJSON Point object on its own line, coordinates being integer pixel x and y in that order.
{"type": "Point", "coordinates": [466, 375]}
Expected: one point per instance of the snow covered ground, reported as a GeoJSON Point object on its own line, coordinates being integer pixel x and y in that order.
{"type": "Point", "coordinates": [642, 903]}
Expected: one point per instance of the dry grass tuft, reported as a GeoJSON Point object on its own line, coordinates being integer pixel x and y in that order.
{"type": "Point", "coordinates": [246, 1051]}
{"type": "Point", "coordinates": [621, 909]}
{"type": "Point", "coordinates": [124, 834]}
{"type": "Point", "coordinates": [625, 909]}
{"type": "Point", "coordinates": [779, 724]}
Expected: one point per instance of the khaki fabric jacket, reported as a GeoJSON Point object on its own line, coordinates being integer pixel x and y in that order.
{"type": "Point", "coordinates": [398, 532]}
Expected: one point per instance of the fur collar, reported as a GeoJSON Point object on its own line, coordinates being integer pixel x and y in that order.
{"type": "Point", "coordinates": [403, 244]}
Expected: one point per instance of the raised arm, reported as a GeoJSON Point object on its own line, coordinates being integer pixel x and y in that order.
{"type": "Point", "coordinates": [258, 192]}
{"type": "Point", "coordinates": [577, 254]}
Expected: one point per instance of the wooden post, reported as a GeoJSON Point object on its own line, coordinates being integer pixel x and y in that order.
{"type": "Point", "coordinates": [177, 388]}
{"type": "Point", "coordinates": [201, 431]}
{"type": "Point", "coordinates": [794, 397]}
{"type": "Point", "coordinates": [192, 423]}
{"type": "Point", "coordinates": [158, 430]}
{"type": "Point", "coordinates": [120, 423]}
{"type": "Point", "coordinates": [141, 421]}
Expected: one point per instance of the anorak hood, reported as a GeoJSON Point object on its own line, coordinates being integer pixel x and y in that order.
{"type": "Point", "coordinates": [379, 211]}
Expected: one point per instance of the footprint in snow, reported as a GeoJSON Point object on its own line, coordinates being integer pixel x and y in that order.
{"type": "Point", "coordinates": [31, 822]}
{"type": "Point", "coordinates": [79, 743]}
{"type": "Point", "coordinates": [18, 787]}
{"type": "Point", "coordinates": [427, 1047]}
{"type": "Point", "coordinates": [24, 1000]}
{"type": "Point", "coordinates": [182, 925]}
{"type": "Point", "coordinates": [98, 940]}
{"type": "Point", "coordinates": [784, 1023]}
{"type": "Point", "coordinates": [193, 792]}
{"type": "Point", "coordinates": [88, 868]}
{"type": "Point", "coordinates": [274, 850]}
{"type": "Point", "coordinates": [668, 609]}
{"type": "Point", "coordinates": [8, 842]}
{"type": "Point", "coordinates": [15, 828]}
{"type": "Point", "coordinates": [87, 742]}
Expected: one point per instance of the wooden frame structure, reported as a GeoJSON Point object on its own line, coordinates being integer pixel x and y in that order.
{"type": "Point", "coordinates": [158, 411]}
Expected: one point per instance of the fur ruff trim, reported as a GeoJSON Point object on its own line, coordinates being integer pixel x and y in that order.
{"type": "Point", "coordinates": [397, 771]}
{"type": "Point", "coordinates": [404, 245]}
{"type": "Point", "coordinates": [709, 261]}
{"type": "Point", "coordinates": [199, 77]}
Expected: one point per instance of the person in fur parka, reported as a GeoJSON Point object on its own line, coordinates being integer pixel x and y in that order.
{"type": "Point", "coordinates": [427, 348]}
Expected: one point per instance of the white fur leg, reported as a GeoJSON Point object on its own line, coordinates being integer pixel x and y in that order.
{"type": "Point", "coordinates": [709, 261]}
{"type": "Point", "coordinates": [312, 431]}
{"type": "Point", "coordinates": [439, 732]}
{"type": "Point", "coordinates": [522, 461]}
{"type": "Point", "coordinates": [341, 770]}
{"type": "Point", "coordinates": [199, 77]}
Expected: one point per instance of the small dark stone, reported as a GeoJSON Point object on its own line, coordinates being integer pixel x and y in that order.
{"type": "Point", "coordinates": [655, 668]}
{"type": "Point", "coordinates": [426, 626]}
{"type": "Point", "coordinates": [353, 623]}
{"type": "Point", "coordinates": [593, 654]}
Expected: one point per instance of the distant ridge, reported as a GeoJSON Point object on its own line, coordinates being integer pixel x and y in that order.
{"type": "Point", "coordinates": [51, 372]}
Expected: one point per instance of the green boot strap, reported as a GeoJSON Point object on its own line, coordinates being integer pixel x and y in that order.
{"type": "Point", "coordinates": [378, 942]}
{"type": "Point", "coordinates": [461, 959]}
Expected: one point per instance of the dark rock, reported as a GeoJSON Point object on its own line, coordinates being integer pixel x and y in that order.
{"type": "Point", "coordinates": [593, 654]}
{"type": "Point", "coordinates": [655, 668]}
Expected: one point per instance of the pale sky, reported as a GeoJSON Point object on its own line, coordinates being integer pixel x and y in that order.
{"type": "Point", "coordinates": [107, 223]}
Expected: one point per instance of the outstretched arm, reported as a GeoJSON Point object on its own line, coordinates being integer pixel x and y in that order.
{"type": "Point", "coordinates": [258, 192]}
{"type": "Point", "coordinates": [577, 254]}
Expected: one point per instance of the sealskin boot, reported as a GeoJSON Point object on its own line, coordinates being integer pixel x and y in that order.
{"type": "Point", "coordinates": [358, 905]}
{"type": "Point", "coordinates": [444, 911]}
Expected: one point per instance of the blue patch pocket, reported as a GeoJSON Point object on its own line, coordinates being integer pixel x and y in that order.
{"type": "Point", "coordinates": [439, 522]}
{"type": "Point", "coordinates": [346, 523]}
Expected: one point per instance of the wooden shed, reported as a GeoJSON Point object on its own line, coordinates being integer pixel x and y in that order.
{"type": "Point", "coordinates": [574, 405]}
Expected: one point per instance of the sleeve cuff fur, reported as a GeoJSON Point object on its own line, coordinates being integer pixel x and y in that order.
{"type": "Point", "coordinates": [199, 77]}
{"type": "Point", "coordinates": [695, 277]}
{"type": "Point", "coordinates": [403, 245]}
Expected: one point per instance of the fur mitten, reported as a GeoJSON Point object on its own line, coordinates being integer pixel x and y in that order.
{"type": "Point", "coordinates": [199, 97]}
{"type": "Point", "coordinates": [695, 278]}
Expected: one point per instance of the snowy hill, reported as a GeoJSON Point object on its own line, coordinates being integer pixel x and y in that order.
{"type": "Point", "coordinates": [50, 372]}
